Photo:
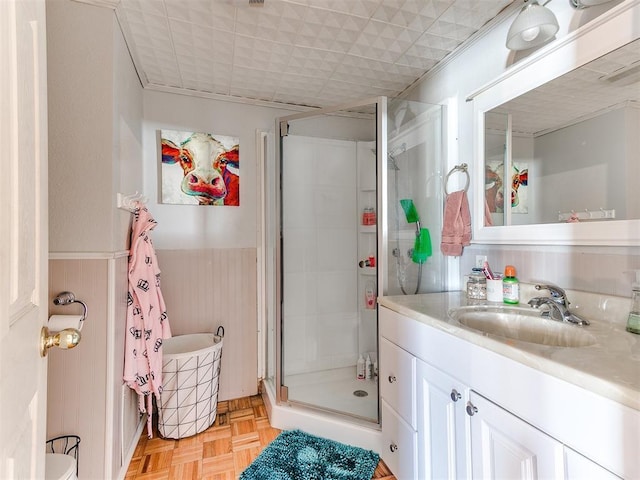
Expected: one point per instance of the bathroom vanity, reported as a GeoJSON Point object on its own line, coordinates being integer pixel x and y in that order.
{"type": "Point", "coordinates": [461, 403]}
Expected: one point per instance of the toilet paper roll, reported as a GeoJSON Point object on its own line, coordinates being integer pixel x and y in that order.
{"type": "Point", "coordinates": [60, 322]}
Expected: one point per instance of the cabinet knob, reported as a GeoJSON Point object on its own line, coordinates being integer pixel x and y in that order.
{"type": "Point", "coordinates": [393, 447]}
{"type": "Point", "coordinates": [392, 378]}
{"type": "Point", "coordinates": [455, 395]}
{"type": "Point", "coordinates": [471, 409]}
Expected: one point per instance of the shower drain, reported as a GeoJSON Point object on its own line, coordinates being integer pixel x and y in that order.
{"type": "Point", "coordinates": [360, 393]}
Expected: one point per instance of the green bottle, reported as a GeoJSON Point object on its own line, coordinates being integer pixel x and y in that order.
{"type": "Point", "coordinates": [633, 322]}
{"type": "Point", "coordinates": [510, 286]}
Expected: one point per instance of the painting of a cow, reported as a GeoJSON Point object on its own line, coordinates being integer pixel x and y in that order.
{"type": "Point", "coordinates": [200, 168]}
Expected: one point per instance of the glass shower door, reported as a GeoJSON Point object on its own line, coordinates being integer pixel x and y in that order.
{"type": "Point", "coordinates": [328, 269]}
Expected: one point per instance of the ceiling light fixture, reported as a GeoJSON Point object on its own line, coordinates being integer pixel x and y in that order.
{"type": "Point", "coordinates": [587, 3]}
{"type": "Point", "coordinates": [534, 25]}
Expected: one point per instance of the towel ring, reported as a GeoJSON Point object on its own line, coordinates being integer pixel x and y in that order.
{"type": "Point", "coordinates": [458, 168]}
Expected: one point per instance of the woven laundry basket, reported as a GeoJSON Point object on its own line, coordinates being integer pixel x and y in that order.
{"type": "Point", "coordinates": [190, 373]}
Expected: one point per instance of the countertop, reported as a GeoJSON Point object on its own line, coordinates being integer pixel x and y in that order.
{"type": "Point", "coordinates": [610, 367]}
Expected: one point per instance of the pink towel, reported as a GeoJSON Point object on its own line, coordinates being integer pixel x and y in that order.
{"type": "Point", "coordinates": [456, 231]}
{"type": "Point", "coordinates": [147, 323]}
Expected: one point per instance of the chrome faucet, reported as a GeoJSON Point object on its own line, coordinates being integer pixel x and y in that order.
{"type": "Point", "coordinates": [558, 305]}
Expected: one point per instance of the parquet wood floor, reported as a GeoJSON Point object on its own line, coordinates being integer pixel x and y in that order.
{"type": "Point", "coordinates": [221, 452]}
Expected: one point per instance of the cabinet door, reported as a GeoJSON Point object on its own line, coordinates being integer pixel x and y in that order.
{"type": "Point", "coordinates": [578, 467]}
{"type": "Point", "coordinates": [504, 446]}
{"type": "Point", "coordinates": [398, 444]}
{"type": "Point", "coordinates": [397, 380]}
{"type": "Point", "coordinates": [440, 408]}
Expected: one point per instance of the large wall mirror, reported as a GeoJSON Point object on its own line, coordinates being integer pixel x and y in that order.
{"type": "Point", "coordinates": [560, 163]}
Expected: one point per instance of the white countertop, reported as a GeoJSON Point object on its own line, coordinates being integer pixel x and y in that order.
{"type": "Point", "coordinates": [610, 367]}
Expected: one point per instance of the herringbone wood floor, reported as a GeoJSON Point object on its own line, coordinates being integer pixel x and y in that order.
{"type": "Point", "coordinates": [222, 452]}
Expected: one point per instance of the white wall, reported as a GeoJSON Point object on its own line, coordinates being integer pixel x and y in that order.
{"type": "Point", "coordinates": [194, 226]}
{"type": "Point", "coordinates": [80, 86]}
{"type": "Point", "coordinates": [95, 111]}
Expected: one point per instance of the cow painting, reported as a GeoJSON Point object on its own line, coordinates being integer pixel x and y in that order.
{"type": "Point", "coordinates": [494, 187]}
{"type": "Point", "coordinates": [200, 168]}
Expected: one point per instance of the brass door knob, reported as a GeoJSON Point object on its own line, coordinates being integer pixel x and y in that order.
{"type": "Point", "coordinates": [65, 339]}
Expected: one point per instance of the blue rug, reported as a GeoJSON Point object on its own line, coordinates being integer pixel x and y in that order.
{"type": "Point", "coordinates": [296, 455]}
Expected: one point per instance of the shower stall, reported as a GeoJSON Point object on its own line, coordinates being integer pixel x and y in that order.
{"type": "Point", "coordinates": [346, 222]}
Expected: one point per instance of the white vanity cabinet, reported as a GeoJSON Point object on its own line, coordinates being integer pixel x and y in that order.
{"type": "Point", "coordinates": [472, 413]}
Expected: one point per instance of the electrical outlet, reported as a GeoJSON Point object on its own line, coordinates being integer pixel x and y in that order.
{"type": "Point", "coordinates": [480, 259]}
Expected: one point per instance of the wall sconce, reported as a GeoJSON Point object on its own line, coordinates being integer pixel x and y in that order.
{"type": "Point", "coordinates": [579, 4]}
{"type": "Point", "coordinates": [534, 25]}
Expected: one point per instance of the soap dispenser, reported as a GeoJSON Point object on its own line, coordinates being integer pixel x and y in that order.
{"type": "Point", "coordinates": [633, 322]}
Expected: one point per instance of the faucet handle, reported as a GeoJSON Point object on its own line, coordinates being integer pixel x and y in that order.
{"type": "Point", "coordinates": [556, 292]}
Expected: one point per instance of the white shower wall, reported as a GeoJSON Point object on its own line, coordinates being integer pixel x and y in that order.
{"type": "Point", "coordinates": [320, 220]}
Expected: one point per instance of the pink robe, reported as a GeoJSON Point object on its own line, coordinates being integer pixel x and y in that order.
{"type": "Point", "coordinates": [147, 323]}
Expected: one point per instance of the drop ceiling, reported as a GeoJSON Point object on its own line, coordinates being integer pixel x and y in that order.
{"type": "Point", "coordinates": [310, 53]}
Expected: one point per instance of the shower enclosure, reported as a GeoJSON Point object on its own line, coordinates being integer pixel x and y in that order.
{"type": "Point", "coordinates": [336, 240]}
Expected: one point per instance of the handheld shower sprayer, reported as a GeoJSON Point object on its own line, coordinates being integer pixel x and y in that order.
{"type": "Point", "coordinates": [411, 213]}
{"type": "Point", "coordinates": [422, 248]}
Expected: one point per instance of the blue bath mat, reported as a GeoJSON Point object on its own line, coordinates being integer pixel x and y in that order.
{"type": "Point", "coordinates": [296, 455]}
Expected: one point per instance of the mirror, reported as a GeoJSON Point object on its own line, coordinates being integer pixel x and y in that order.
{"type": "Point", "coordinates": [574, 146]}
{"type": "Point", "coordinates": [557, 141]}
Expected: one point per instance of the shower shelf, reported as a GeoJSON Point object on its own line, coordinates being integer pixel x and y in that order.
{"type": "Point", "coordinates": [368, 229]}
{"type": "Point", "coordinates": [368, 271]}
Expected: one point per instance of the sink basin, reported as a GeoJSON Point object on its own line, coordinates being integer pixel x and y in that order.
{"type": "Point", "coordinates": [522, 324]}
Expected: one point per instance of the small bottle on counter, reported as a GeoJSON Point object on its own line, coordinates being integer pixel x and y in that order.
{"type": "Point", "coordinates": [477, 285]}
{"type": "Point", "coordinates": [510, 286]}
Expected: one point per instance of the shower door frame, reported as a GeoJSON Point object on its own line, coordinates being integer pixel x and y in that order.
{"type": "Point", "coordinates": [282, 125]}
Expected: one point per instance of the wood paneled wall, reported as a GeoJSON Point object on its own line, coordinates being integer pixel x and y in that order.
{"type": "Point", "coordinates": [77, 378]}
{"type": "Point", "coordinates": [206, 288]}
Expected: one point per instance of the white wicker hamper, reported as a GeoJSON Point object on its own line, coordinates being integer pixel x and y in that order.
{"type": "Point", "coordinates": [190, 373]}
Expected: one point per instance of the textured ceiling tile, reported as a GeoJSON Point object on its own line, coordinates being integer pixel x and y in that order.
{"type": "Point", "coordinates": [260, 54]}
{"type": "Point", "coordinates": [449, 29]}
{"type": "Point", "coordinates": [346, 47]}
{"type": "Point", "coordinates": [473, 13]}
{"type": "Point", "coordinates": [220, 15]}
{"type": "Point", "coordinates": [416, 61]}
{"type": "Point", "coordinates": [361, 8]}
{"type": "Point", "coordinates": [429, 41]}
{"type": "Point", "coordinates": [414, 14]}
{"type": "Point", "coordinates": [154, 6]}
{"type": "Point", "coordinates": [383, 41]}
{"type": "Point", "coordinates": [203, 42]}
{"type": "Point", "coordinates": [278, 21]}
{"type": "Point", "coordinates": [313, 62]}
{"type": "Point", "coordinates": [329, 30]}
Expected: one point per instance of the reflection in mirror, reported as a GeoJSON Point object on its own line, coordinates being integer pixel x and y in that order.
{"type": "Point", "coordinates": [568, 151]}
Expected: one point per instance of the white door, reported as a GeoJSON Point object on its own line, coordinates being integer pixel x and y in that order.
{"type": "Point", "coordinates": [442, 451]}
{"type": "Point", "coordinates": [23, 237]}
{"type": "Point", "coordinates": [504, 446]}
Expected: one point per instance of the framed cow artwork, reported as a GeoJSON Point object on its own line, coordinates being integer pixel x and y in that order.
{"type": "Point", "coordinates": [199, 168]}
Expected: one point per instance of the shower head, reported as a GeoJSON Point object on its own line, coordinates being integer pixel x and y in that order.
{"type": "Point", "coordinates": [391, 162]}
{"type": "Point", "coordinates": [393, 153]}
